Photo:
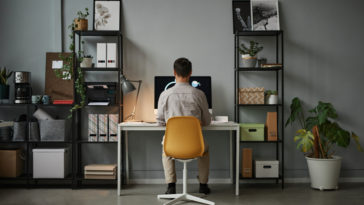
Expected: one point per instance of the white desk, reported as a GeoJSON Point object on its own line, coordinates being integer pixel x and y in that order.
{"type": "Point", "coordinates": [143, 126]}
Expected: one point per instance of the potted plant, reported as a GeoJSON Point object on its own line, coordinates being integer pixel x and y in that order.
{"type": "Point", "coordinates": [271, 97]}
{"type": "Point", "coordinates": [249, 58]}
{"type": "Point", "coordinates": [81, 23]}
{"type": "Point", "coordinates": [4, 87]}
{"type": "Point", "coordinates": [319, 134]}
{"type": "Point", "coordinates": [86, 61]}
{"type": "Point", "coordinates": [68, 73]}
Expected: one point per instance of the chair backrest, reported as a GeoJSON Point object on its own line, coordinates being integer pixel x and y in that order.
{"type": "Point", "coordinates": [183, 138]}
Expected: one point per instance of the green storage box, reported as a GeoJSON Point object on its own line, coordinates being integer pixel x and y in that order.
{"type": "Point", "coordinates": [251, 132]}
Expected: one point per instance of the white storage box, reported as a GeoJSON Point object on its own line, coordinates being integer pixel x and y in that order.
{"type": "Point", "coordinates": [51, 163]}
{"type": "Point", "coordinates": [266, 169]}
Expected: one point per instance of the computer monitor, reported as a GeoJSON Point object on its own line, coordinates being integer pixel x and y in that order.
{"type": "Point", "coordinates": [162, 83]}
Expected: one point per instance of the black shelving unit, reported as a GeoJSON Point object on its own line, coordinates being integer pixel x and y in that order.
{"type": "Point", "coordinates": [80, 139]}
{"type": "Point", "coordinates": [279, 108]}
{"type": "Point", "coordinates": [27, 177]}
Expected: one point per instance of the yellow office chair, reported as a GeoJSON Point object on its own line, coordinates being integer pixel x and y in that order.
{"type": "Point", "coordinates": [184, 142]}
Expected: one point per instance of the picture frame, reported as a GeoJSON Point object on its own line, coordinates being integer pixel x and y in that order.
{"type": "Point", "coordinates": [265, 15]}
{"type": "Point", "coordinates": [107, 15]}
{"type": "Point", "coordinates": [241, 16]}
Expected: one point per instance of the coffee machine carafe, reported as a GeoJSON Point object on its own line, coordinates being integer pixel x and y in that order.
{"type": "Point", "coordinates": [23, 91]}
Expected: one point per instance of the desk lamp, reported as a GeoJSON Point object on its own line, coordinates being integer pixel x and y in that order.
{"type": "Point", "coordinates": [127, 87]}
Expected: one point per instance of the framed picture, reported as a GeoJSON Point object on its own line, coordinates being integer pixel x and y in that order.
{"type": "Point", "coordinates": [265, 15]}
{"type": "Point", "coordinates": [241, 16]}
{"type": "Point", "coordinates": [107, 15]}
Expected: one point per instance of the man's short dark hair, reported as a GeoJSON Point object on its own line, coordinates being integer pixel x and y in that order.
{"type": "Point", "coordinates": [183, 67]}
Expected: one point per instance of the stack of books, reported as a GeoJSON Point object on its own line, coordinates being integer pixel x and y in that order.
{"type": "Point", "coordinates": [100, 171]}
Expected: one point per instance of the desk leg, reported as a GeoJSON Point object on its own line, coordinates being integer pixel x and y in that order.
{"type": "Point", "coordinates": [237, 151]}
{"type": "Point", "coordinates": [119, 161]}
{"type": "Point", "coordinates": [231, 157]}
{"type": "Point", "coordinates": [126, 157]}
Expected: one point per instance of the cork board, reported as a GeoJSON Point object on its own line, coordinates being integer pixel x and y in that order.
{"type": "Point", "coordinates": [57, 88]}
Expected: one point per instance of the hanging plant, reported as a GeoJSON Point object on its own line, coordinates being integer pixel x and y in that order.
{"type": "Point", "coordinates": [67, 72]}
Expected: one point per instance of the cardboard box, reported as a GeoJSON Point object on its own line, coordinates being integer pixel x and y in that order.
{"type": "Point", "coordinates": [11, 164]}
{"type": "Point", "coordinates": [271, 126]}
{"type": "Point", "coordinates": [247, 163]}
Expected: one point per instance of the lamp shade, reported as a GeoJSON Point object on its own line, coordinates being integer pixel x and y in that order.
{"type": "Point", "coordinates": [126, 85]}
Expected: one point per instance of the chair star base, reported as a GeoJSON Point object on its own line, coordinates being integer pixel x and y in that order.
{"type": "Point", "coordinates": [183, 197]}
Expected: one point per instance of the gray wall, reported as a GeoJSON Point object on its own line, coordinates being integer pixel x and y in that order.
{"type": "Point", "coordinates": [323, 49]}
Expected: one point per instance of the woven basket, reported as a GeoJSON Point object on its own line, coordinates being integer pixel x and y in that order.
{"type": "Point", "coordinates": [251, 96]}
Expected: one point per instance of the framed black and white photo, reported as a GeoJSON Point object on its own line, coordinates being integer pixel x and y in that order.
{"type": "Point", "coordinates": [107, 15]}
{"type": "Point", "coordinates": [241, 16]}
{"type": "Point", "coordinates": [265, 15]}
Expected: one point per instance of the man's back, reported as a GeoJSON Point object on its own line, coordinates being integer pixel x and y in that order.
{"type": "Point", "coordinates": [183, 100]}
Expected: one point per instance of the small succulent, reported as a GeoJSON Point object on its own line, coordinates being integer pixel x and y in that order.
{"type": "Point", "coordinates": [4, 76]}
{"type": "Point", "coordinates": [253, 49]}
{"type": "Point", "coordinates": [271, 92]}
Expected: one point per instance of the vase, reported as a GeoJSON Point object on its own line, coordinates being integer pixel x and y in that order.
{"type": "Point", "coordinates": [271, 99]}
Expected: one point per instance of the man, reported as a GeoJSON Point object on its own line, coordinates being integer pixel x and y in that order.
{"type": "Point", "coordinates": [184, 100]}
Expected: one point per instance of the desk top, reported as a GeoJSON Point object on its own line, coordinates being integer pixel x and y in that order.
{"type": "Point", "coordinates": [155, 126]}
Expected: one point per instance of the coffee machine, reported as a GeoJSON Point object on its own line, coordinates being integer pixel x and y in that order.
{"type": "Point", "coordinates": [23, 90]}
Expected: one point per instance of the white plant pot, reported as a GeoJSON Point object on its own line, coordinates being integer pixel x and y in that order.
{"type": "Point", "coordinates": [271, 99]}
{"type": "Point", "coordinates": [324, 173]}
{"type": "Point", "coordinates": [86, 63]}
{"type": "Point", "coordinates": [248, 61]}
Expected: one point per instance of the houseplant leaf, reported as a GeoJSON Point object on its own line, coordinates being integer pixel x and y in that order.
{"type": "Point", "coordinates": [296, 111]}
{"type": "Point", "coordinates": [356, 140]}
{"type": "Point", "coordinates": [304, 139]}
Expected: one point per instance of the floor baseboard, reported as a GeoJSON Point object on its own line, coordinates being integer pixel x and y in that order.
{"type": "Point", "coordinates": [227, 181]}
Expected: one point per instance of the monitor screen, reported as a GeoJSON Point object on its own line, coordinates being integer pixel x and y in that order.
{"type": "Point", "coordinates": [162, 83]}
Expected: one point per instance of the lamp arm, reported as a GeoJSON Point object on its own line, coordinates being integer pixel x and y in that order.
{"type": "Point", "coordinates": [137, 96]}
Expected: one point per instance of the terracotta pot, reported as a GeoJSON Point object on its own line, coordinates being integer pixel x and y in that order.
{"type": "Point", "coordinates": [81, 24]}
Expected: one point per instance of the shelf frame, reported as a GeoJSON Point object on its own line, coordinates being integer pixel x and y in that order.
{"type": "Point", "coordinates": [78, 141]}
{"type": "Point", "coordinates": [279, 76]}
